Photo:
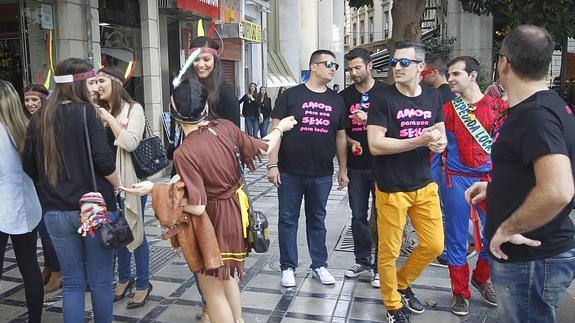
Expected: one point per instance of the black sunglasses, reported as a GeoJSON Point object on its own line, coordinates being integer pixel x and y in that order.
{"type": "Point", "coordinates": [329, 64]}
{"type": "Point", "coordinates": [404, 62]}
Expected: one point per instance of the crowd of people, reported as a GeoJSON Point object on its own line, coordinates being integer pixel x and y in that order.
{"type": "Point", "coordinates": [491, 169]}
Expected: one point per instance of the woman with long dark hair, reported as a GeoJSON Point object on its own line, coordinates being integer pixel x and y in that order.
{"type": "Point", "coordinates": [21, 212]}
{"type": "Point", "coordinates": [206, 162]}
{"type": "Point", "coordinates": [207, 69]}
{"type": "Point", "coordinates": [125, 121]}
{"type": "Point", "coordinates": [250, 110]}
{"type": "Point", "coordinates": [265, 108]}
{"type": "Point", "coordinates": [36, 97]}
{"type": "Point", "coordinates": [56, 157]}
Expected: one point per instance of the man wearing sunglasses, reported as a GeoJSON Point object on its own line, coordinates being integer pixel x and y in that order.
{"type": "Point", "coordinates": [359, 161]}
{"type": "Point", "coordinates": [530, 195]}
{"type": "Point", "coordinates": [303, 167]}
{"type": "Point", "coordinates": [405, 123]}
{"type": "Point", "coordinates": [469, 119]}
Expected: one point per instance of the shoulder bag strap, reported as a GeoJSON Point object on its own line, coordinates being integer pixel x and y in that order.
{"type": "Point", "coordinates": [89, 151]}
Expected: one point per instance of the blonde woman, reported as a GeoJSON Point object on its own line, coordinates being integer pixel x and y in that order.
{"type": "Point", "coordinates": [21, 212]}
{"type": "Point", "coordinates": [125, 121]}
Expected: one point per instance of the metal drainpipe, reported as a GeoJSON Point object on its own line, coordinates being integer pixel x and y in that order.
{"type": "Point", "coordinates": [88, 15]}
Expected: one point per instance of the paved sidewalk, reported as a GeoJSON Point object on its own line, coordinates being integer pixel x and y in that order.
{"type": "Point", "coordinates": [175, 297]}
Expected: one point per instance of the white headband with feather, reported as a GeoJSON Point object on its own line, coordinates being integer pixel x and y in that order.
{"type": "Point", "coordinates": [176, 82]}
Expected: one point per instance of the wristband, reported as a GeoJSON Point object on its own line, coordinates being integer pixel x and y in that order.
{"type": "Point", "coordinates": [278, 129]}
{"type": "Point", "coordinates": [270, 166]}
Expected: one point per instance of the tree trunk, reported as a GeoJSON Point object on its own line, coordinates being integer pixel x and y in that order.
{"type": "Point", "coordinates": [406, 15]}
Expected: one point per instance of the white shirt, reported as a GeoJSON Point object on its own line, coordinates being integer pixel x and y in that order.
{"type": "Point", "coordinates": [20, 210]}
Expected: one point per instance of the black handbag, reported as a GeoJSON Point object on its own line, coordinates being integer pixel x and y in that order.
{"type": "Point", "coordinates": [258, 227]}
{"type": "Point", "coordinates": [150, 156]}
{"type": "Point", "coordinates": [114, 234]}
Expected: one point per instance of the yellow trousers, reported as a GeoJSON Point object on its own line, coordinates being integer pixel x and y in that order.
{"type": "Point", "coordinates": [423, 209]}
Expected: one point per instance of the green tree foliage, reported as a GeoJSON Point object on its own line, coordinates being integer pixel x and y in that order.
{"type": "Point", "coordinates": [440, 46]}
{"type": "Point", "coordinates": [557, 16]}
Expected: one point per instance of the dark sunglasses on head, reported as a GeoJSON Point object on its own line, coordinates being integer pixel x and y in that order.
{"type": "Point", "coordinates": [329, 64]}
{"type": "Point", "coordinates": [364, 100]}
{"type": "Point", "coordinates": [404, 62]}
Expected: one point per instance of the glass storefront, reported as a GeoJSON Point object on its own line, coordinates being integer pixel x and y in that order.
{"type": "Point", "coordinates": [121, 42]}
{"type": "Point", "coordinates": [26, 30]}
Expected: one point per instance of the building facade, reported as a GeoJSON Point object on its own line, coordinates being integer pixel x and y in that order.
{"type": "Point", "coordinates": [147, 40]}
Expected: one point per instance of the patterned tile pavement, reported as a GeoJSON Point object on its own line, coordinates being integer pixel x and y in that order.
{"type": "Point", "coordinates": [175, 297]}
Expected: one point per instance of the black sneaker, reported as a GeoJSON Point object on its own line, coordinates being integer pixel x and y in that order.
{"type": "Point", "coordinates": [356, 270]}
{"type": "Point", "coordinates": [410, 301]}
{"type": "Point", "coordinates": [398, 316]}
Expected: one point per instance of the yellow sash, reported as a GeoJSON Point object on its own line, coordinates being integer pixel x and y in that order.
{"type": "Point", "coordinates": [244, 209]}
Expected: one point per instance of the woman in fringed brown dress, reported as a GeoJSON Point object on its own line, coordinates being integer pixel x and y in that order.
{"type": "Point", "coordinates": [206, 163]}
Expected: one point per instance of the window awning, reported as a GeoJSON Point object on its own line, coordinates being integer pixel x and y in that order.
{"type": "Point", "coordinates": [279, 73]}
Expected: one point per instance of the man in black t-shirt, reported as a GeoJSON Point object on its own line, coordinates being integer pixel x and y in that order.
{"type": "Point", "coordinates": [359, 160]}
{"type": "Point", "coordinates": [303, 167]}
{"type": "Point", "coordinates": [530, 196]}
{"type": "Point", "coordinates": [404, 124]}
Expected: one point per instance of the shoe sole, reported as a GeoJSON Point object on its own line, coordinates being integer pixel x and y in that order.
{"type": "Point", "coordinates": [375, 286]}
{"type": "Point", "coordinates": [459, 313]}
{"type": "Point", "coordinates": [438, 265]}
{"type": "Point", "coordinates": [355, 275]}
{"type": "Point", "coordinates": [328, 283]}
{"type": "Point", "coordinates": [485, 299]}
{"type": "Point", "coordinates": [288, 285]}
{"type": "Point", "coordinates": [411, 309]}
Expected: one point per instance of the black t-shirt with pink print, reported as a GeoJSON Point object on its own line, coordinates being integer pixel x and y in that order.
{"type": "Point", "coordinates": [309, 148]}
{"type": "Point", "coordinates": [357, 131]}
{"type": "Point", "coordinates": [405, 118]}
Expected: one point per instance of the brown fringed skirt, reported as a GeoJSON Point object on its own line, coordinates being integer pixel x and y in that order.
{"type": "Point", "coordinates": [226, 219]}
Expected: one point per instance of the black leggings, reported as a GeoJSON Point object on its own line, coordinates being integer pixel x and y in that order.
{"type": "Point", "coordinates": [25, 251]}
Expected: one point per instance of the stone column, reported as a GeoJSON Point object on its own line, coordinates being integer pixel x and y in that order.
{"type": "Point", "coordinates": [474, 35]}
{"type": "Point", "coordinates": [151, 67]}
{"type": "Point", "coordinates": [71, 30]}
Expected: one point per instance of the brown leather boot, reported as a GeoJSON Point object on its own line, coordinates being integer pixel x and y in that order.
{"type": "Point", "coordinates": [54, 283]}
{"type": "Point", "coordinates": [46, 272]}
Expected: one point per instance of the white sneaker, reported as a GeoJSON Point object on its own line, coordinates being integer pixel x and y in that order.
{"type": "Point", "coordinates": [323, 275]}
{"type": "Point", "coordinates": [288, 278]}
{"type": "Point", "coordinates": [375, 281]}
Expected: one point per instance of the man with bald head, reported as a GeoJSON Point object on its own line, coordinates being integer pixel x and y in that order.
{"type": "Point", "coordinates": [530, 195]}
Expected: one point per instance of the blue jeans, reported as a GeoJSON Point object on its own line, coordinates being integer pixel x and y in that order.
{"type": "Point", "coordinates": [252, 126]}
{"type": "Point", "coordinates": [530, 291]}
{"type": "Point", "coordinates": [264, 127]}
{"type": "Point", "coordinates": [142, 258]}
{"type": "Point", "coordinates": [83, 260]}
{"type": "Point", "coordinates": [361, 184]}
{"type": "Point", "coordinates": [292, 190]}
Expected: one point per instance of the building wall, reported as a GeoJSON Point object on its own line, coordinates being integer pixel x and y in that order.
{"type": "Point", "coordinates": [289, 16]}
{"type": "Point", "coordinates": [474, 35]}
{"type": "Point", "coordinates": [321, 27]}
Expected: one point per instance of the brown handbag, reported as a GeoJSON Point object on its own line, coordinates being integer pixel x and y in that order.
{"type": "Point", "coordinates": [193, 234]}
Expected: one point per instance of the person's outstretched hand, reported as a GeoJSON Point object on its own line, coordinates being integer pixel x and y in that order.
{"type": "Point", "coordinates": [139, 189]}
